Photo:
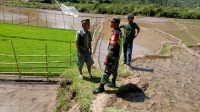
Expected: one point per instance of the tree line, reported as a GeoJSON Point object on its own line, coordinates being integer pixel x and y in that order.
{"type": "Point", "coordinates": [153, 10]}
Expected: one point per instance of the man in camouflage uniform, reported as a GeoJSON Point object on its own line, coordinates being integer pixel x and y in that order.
{"type": "Point", "coordinates": [112, 59]}
{"type": "Point", "coordinates": [131, 30]}
{"type": "Point", "coordinates": [84, 49]}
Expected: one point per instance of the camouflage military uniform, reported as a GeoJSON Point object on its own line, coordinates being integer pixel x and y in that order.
{"type": "Point", "coordinates": [112, 61]}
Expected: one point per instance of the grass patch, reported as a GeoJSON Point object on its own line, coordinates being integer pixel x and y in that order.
{"type": "Point", "coordinates": [29, 40]}
{"type": "Point", "coordinates": [165, 50]}
{"type": "Point", "coordinates": [82, 87]}
{"type": "Point", "coordinates": [33, 4]}
{"type": "Point", "coordinates": [191, 36]}
{"type": "Point", "coordinates": [113, 109]}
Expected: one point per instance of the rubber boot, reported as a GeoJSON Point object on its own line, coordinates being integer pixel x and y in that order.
{"type": "Point", "coordinates": [100, 89]}
{"type": "Point", "coordinates": [112, 84]}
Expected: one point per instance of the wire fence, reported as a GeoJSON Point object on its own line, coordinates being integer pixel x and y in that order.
{"type": "Point", "coordinates": [50, 19]}
{"type": "Point", "coordinates": [45, 64]}
{"type": "Point", "coordinates": [45, 18]}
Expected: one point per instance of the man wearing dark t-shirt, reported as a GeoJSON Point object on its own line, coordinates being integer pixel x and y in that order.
{"type": "Point", "coordinates": [131, 30]}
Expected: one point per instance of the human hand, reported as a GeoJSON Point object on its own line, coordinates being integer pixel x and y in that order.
{"type": "Point", "coordinates": [123, 36]}
{"type": "Point", "coordinates": [90, 52]}
{"type": "Point", "coordinates": [106, 61]}
{"type": "Point", "coordinates": [80, 54]}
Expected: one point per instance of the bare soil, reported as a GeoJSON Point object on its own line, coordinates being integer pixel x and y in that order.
{"type": "Point", "coordinates": [27, 97]}
{"type": "Point", "coordinates": [173, 81]}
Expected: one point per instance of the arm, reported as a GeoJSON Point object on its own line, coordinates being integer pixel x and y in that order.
{"type": "Point", "coordinates": [138, 30]}
{"type": "Point", "coordinates": [77, 44]}
{"type": "Point", "coordinates": [122, 26]}
{"type": "Point", "coordinates": [122, 35]}
{"type": "Point", "coordinates": [90, 47]}
{"type": "Point", "coordinates": [78, 48]}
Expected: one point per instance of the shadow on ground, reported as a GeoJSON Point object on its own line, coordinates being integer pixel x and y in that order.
{"type": "Point", "coordinates": [135, 68]}
{"type": "Point", "coordinates": [129, 92]}
{"type": "Point", "coordinates": [94, 79]}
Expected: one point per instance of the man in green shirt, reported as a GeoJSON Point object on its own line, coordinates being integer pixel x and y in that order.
{"type": "Point", "coordinates": [131, 30]}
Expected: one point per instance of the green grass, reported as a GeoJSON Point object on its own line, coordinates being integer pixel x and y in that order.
{"type": "Point", "coordinates": [30, 40]}
{"type": "Point", "coordinates": [112, 109]}
{"type": "Point", "coordinates": [82, 87]}
{"type": "Point", "coordinates": [33, 4]}
{"type": "Point", "coordinates": [165, 50]}
{"type": "Point", "coordinates": [191, 36]}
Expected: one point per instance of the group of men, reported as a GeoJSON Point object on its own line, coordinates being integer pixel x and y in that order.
{"type": "Point", "coordinates": [84, 49]}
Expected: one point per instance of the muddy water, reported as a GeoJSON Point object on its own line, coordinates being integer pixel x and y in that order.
{"type": "Point", "coordinates": [101, 51]}
{"type": "Point", "coordinates": [45, 18]}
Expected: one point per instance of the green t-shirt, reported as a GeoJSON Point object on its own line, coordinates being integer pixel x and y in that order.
{"type": "Point", "coordinates": [129, 31]}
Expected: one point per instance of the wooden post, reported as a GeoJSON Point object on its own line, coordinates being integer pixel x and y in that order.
{"type": "Point", "coordinates": [55, 21]}
{"type": "Point", "coordinates": [28, 17]}
{"type": "Point", "coordinates": [20, 16]}
{"type": "Point", "coordinates": [12, 16]}
{"type": "Point", "coordinates": [73, 20]}
{"type": "Point", "coordinates": [37, 18]}
{"type": "Point", "coordinates": [3, 16]}
{"type": "Point", "coordinates": [46, 57]}
{"type": "Point", "coordinates": [96, 21]}
{"type": "Point", "coordinates": [99, 51]}
{"type": "Point", "coordinates": [70, 52]}
{"type": "Point", "coordinates": [64, 20]}
{"type": "Point", "coordinates": [46, 21]}
{"type": "Point", "coordinates": [17, 64]}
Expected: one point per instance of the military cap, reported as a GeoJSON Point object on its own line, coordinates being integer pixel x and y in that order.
{"type": "Point", "coordinates": [116, 19]}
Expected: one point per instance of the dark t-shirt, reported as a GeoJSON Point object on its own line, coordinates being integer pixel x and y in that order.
{"type": "Point", "coordinates": [129, 31]}
{"type": "Point", "coordinates": [84, 40]}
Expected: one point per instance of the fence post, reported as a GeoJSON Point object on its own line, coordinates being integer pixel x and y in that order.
{"type": "Point", "coordinates": [100, 51]}
{"type": "Point", "coordinates": [37, 18]}
{"type": "Point", "coordinates": [28, 17]}
{"type": "Point", "coordinates": [46, 57]}
{"type": "Point", "coordinates": [96, 21]}
{"type": "Point", "coordinates": [55, 20]}
{"type": "Point", "coordinates": [20, 16]}
{"type": "Point", "coordinates": [17, 64]}
{"type": "Point", "coordinates": [73, 20]}
{"type": "Point", "coordinates": [12, 16]}
{"type": "Point", "coordinates": [46, 21]}
{"type": "Point", "coordinates": [70, 51]}
{"type": "Point", "coordinates": [64, 20]}
{"type": "Point", "coordinates": [3, 16]}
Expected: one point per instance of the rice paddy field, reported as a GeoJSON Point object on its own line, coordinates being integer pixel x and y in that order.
{"type": "Point", "coordinates": [29, 40]}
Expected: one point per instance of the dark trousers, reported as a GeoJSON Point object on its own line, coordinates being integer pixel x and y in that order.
{"type": "Point", "coordinates": [127, 49]}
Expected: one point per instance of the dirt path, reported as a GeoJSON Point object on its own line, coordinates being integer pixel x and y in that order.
{"type": "Point", "coordinates": [27, 97]}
